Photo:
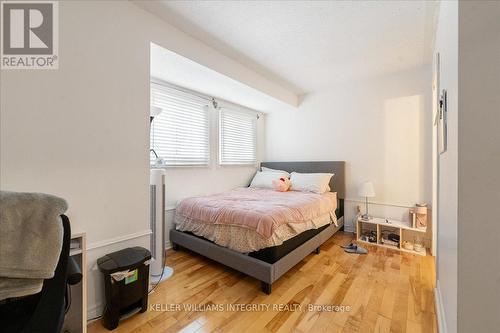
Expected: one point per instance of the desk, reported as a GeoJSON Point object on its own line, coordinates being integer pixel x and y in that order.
{"type": "Point", "coordinates": [76, 318]}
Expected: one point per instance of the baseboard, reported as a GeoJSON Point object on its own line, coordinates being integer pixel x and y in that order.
{"type": "Point", "coordinates": [378, 203]}
{"type": "Point", "coordinates": [349, 229]}
{"type": "Point", "coordinates": [440, 314]}
{"type": "Point", "coordinates": [94, 312]}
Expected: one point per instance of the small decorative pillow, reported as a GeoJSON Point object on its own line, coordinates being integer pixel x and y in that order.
{"type": "Point", "coordinates": [282, 184]}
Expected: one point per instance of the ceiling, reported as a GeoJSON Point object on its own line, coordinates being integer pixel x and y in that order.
{"type": "Point", "coordinates": [181, 71]}
{"type": "Point", "coordinates": [307, 46]}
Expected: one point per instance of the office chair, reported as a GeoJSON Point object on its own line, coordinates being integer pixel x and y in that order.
{"type": "Point", "coordinates": [44, 311]}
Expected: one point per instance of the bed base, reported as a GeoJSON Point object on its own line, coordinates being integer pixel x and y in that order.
{"type": "Point", "coordinates": [261, 270]}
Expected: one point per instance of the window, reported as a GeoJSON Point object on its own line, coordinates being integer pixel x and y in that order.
{"type": "Point", "coordinates": [180, 133]}
{"type": "Point", "coordinates": [237, 137]}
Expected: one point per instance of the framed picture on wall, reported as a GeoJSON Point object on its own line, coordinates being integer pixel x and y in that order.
{"type": "Point", "coordinates": [440, 107]}
{"type": "Point", "coordinates": [435, 90]}
{"type": "Point", "coordinates": [443, 122]}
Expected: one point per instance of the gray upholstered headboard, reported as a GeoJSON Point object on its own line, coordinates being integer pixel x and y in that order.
{"type": "Point", "coordinates": [337, 183]}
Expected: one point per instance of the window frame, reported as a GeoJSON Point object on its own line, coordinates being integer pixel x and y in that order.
{"type": "Point", "coordinates": [214, 106]}
{"type": "Point", "coordinates": [154, 80]}
{"type": "Point", "coordinates": [237, 109]}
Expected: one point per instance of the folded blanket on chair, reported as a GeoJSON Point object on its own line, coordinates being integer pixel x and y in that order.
{"type": "Point", "coordinates": [31, 235]}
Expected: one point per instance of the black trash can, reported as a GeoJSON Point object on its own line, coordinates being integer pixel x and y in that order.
{"type": "Point", "coordinates": [126, 278]}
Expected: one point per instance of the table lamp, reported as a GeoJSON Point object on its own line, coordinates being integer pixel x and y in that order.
{"type": "Point", "coordinates": [366, 190]}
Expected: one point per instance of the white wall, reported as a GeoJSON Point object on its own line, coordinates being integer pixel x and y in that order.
{"type": "Point", "coordinates": [446, 263]}
{"type": "Point", "coordinates": [82, 132]}
{"type": "Point", "coordinates": [478, 167]}
{"type": "Point", "coordinates": [381, 127]}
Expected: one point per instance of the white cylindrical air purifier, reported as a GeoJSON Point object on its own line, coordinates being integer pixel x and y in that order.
{"type": "Point", "coordinates": [158, 270]}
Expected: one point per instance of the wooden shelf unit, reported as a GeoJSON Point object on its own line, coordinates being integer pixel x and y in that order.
{"type": "Point", "coordinates": [400, 226]}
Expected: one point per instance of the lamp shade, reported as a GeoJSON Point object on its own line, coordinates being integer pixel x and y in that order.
{"type": "Point", "coordinates": [366, 190]}
{"type": "Point", "coordinates": [154, 111]}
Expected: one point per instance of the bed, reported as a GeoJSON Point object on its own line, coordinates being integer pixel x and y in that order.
{"type": "Point", "coordinates": [266, 262]}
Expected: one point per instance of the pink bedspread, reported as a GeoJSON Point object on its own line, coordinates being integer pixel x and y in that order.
{"type": "Point", "coordinates": [262, 210]}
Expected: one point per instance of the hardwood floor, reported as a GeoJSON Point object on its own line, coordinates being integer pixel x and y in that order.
{"type": "Point", "coordinates": [387, 291]}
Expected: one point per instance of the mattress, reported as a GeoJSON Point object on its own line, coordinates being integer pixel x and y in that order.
{"type": "Point", "coordinates": [248, 219]}
{"type": "Point", "coordinates": [274, 253]}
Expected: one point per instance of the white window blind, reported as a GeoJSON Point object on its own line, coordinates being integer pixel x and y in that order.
{"type": "Point", "coordinates": [180, 133]}
{"type": "Point", "coordinates": [237, 137]}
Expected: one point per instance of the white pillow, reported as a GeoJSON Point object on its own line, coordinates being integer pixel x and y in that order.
{"type": "Point", "coordinates": [310, 182]}
{"type": "Point", "coordinates": [265, 179]}
{"type": "Point", "coordinates": [264, 169]}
